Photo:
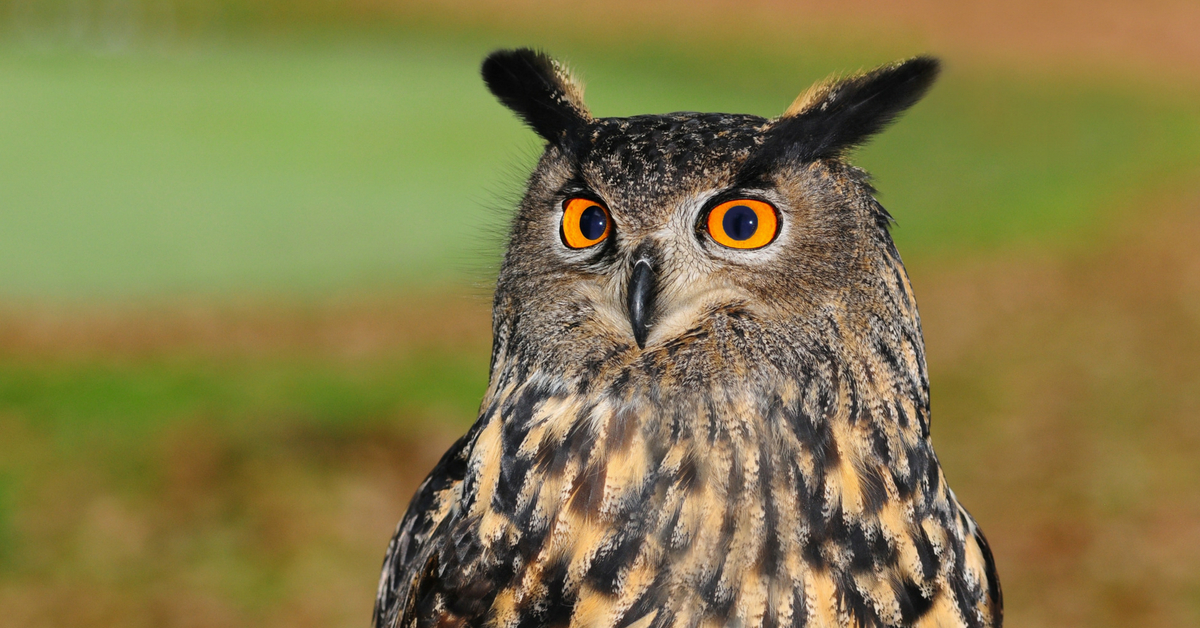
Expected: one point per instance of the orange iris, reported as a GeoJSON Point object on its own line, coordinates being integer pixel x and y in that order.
{"type": "Point", "coordinates": [743, 224]}
{"type": "Point", "coordinates": [584, 223]}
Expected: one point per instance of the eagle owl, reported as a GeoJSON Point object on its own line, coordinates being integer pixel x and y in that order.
{"type": "Point", "coordinates": [708, 402]}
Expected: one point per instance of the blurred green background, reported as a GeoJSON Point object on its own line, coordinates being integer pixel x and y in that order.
{"type": "Point", "coordinates": [246, 247]}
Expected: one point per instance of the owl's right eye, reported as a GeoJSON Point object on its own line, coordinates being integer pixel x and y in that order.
{"type": "Point", "coordinates": [584, 223]}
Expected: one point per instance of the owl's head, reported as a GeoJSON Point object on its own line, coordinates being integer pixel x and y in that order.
{"type": "Point", "coordinates": [634, 231]}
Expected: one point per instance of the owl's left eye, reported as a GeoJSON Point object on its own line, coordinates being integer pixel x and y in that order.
{"type": "Point", "coordinates": [743, 224]}
{"type": "Point", "coordinates": [584, 223]}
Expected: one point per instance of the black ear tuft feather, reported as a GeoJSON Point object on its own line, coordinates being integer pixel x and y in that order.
{"type": "Point", "coordinates": [836, 116]}
{"type": "Point", "coordinates": [539, 90]}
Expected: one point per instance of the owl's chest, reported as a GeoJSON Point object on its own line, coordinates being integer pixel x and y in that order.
{"type": "Point", "coordinates": [710, 508]}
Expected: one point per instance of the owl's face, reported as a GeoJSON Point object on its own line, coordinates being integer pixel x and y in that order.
{"type": "Point", "coordinates": [635, 230]}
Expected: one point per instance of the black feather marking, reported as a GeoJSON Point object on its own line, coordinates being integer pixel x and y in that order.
{"type": "Point", "coordinates": [471, 600]}
{"type": "Point", "coordinates": [994, 593]}
{"type": "Point", "coordinates": [426, 577]}
{"type": "Point", "coordinates": [862, 551]}
{"type": "Point", "coordinates": [771, 553]}
{"type": "Point", "coordinates": [605, 570]}
{"type": "Point", "coordinates": [513, 472]}
{"type": "Point", "coordinates": [913, 603]}
{"type": "Point", "coordinates": [879, 444]}
{"type": "Point", "coordinates": [963, 600]}
{"type": "Point", "coordinates": [929, 559]}
{"type": "Point", "coordinates": [932, 481]}
{"type": "Point", "coordinates": [518, 419]}
{"type": "Point", "coordinates": [688, 476]}
{"type": "Point", "coordinates": [901, 415]}
{"type": "Point", "coordinates": [856, 604]}
{"type": "Point", "coordinates": [814, 434]}
{"type": "Point", "coordinates": [799, 608]}
{"type": "Point", "coordinates": [528, 82]}
{"type": "Point", "coordinates": [905, 482]}
{"type": "Point", "coordinates": [719, 600]}
{"type": "Point", "coordinates": [560, 599]}
{"type": "Point", "coordinates": [650, 601]}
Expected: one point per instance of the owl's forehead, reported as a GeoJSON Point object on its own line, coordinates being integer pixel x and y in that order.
{"type": "Point", "coordinates": [648, 159]}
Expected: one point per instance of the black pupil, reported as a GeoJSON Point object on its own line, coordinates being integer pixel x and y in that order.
{"type": "Point", "coordinates": [740, 222]}
{"type": "Point", "coordinates": [592, 223]}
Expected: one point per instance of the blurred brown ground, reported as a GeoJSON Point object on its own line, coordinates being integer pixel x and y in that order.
{"type": "Point", "coordinates": [1066, 390]}
{"type": "Point", "coordinates": [1154, 37]}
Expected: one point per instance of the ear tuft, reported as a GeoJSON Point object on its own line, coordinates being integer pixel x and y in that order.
{"type": "Point", "coordinates": [539, 89]}
{"type": "Point", "coordinates": [839, 114]}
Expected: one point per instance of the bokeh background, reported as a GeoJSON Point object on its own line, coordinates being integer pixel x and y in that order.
{"type": "Point", "coordinates": [246, 249]}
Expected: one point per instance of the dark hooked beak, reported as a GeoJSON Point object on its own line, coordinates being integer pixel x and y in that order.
{"type": "Point", "coordinates": [640, 300]}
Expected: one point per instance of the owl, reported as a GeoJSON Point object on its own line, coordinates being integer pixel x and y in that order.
{"type": "Point", "coordinates": [708, 403]}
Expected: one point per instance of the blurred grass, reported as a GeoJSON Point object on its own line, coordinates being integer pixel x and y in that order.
{"type": "Point", "coordinates": [220, 467]}
{"type": "Point", "coordinates": [316, 165]}
{"type": "Point", "coordinates": [235, 169]}
{"type": "Point", "coordinates": [85, 399]}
